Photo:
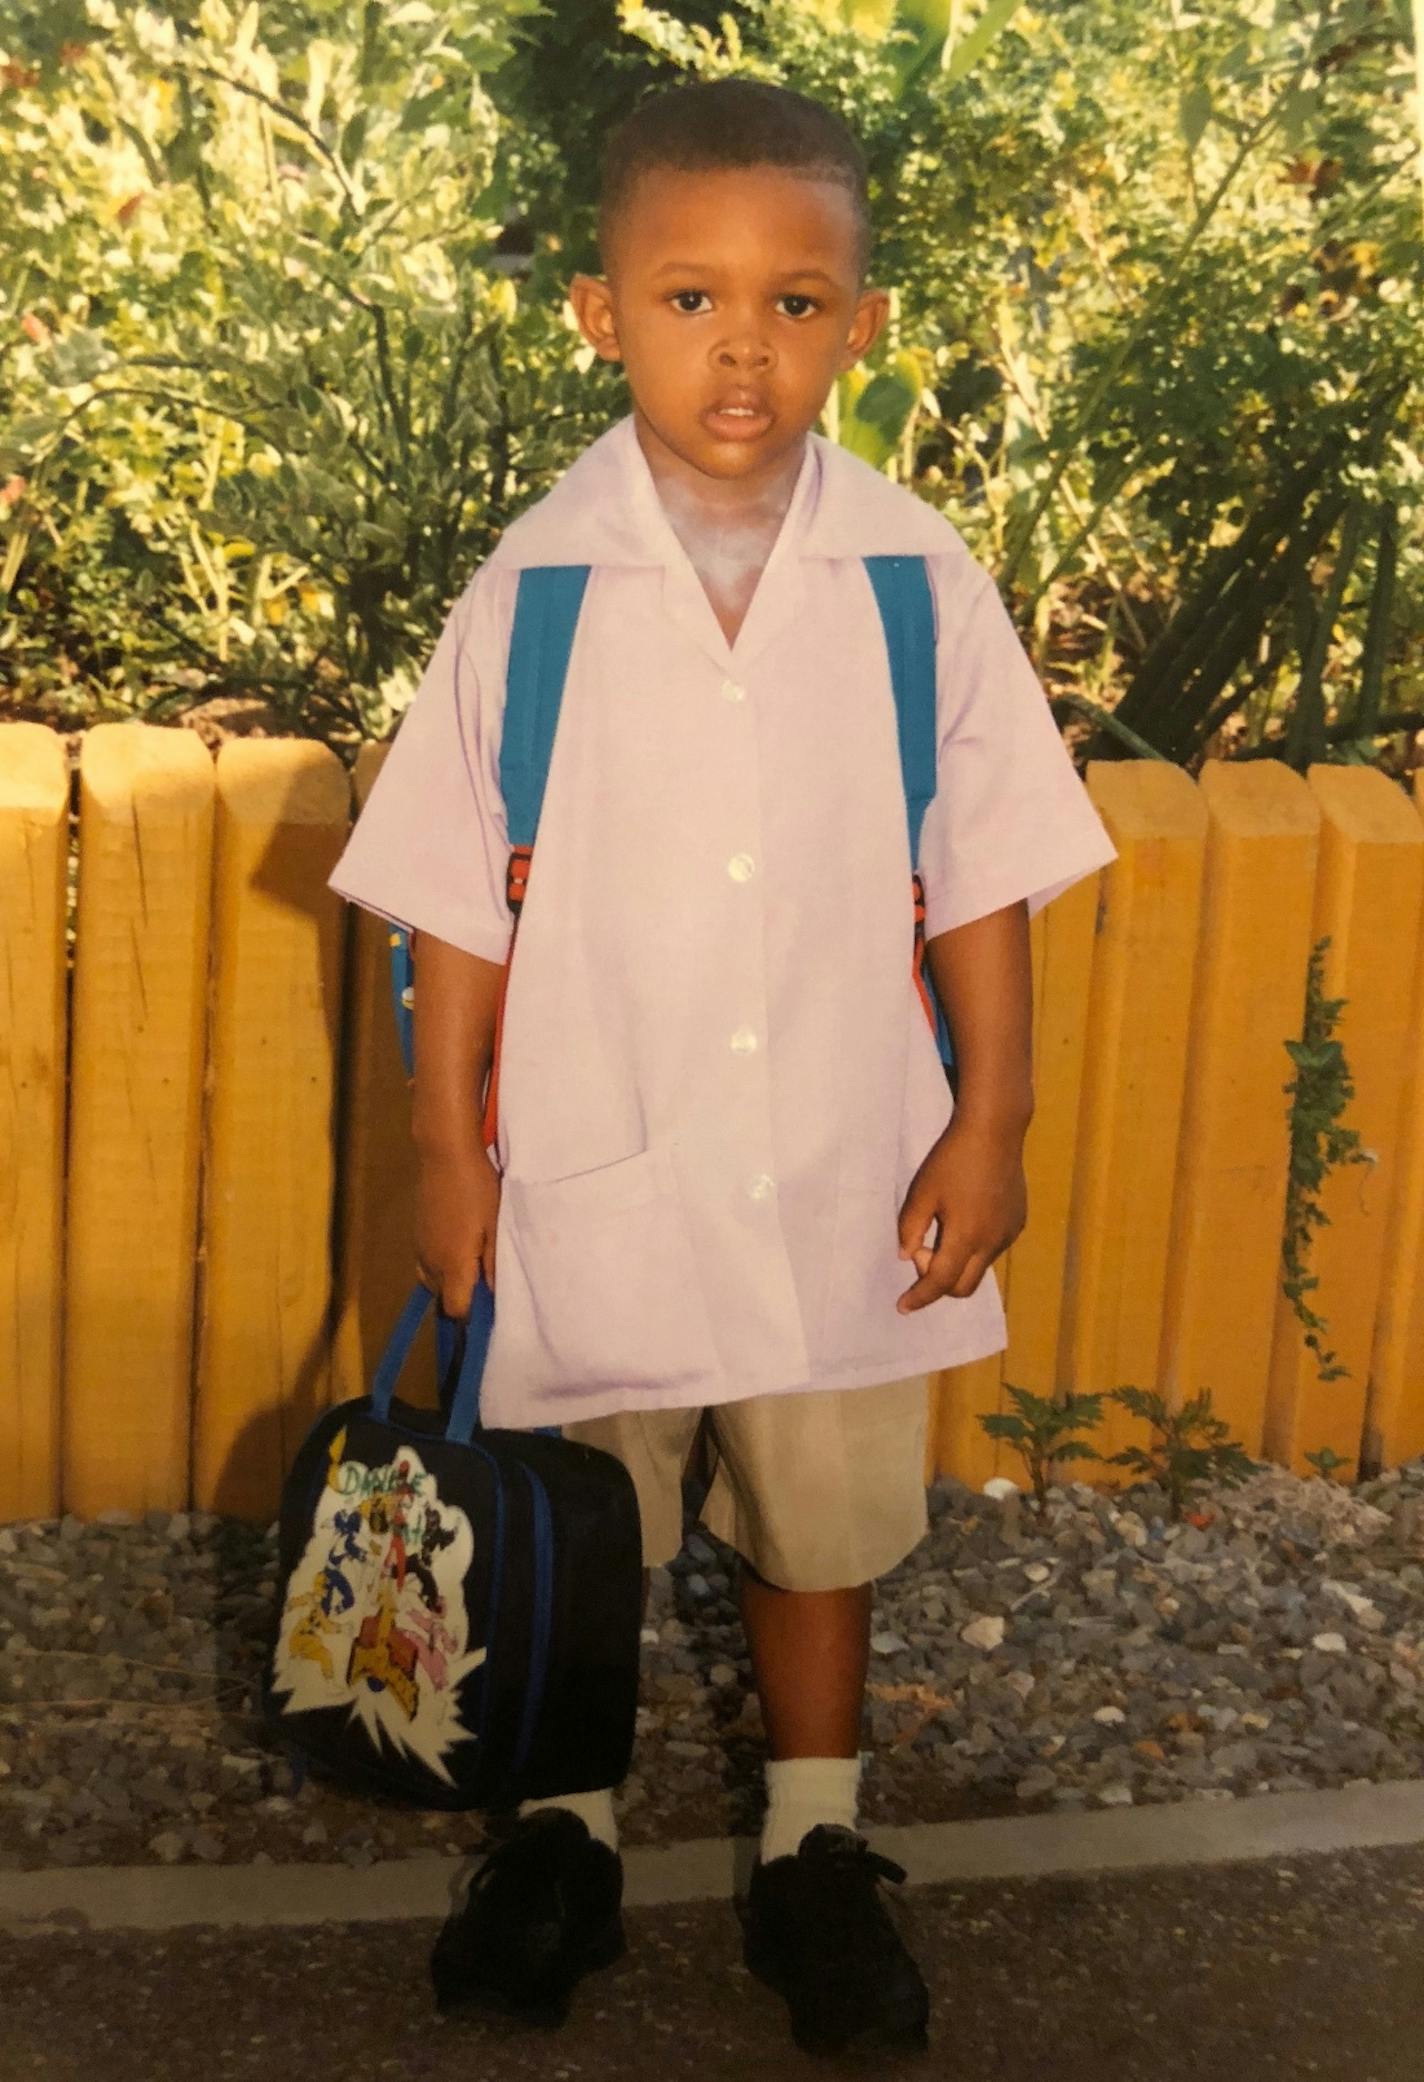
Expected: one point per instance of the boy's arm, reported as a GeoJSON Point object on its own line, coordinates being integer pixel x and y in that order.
{"type": "Point", "coordinates": [972, 1181]}
{"type": "Point", "coordinates": [457, 1189]}
{"type": "Point", "coordinates": [983, 978]}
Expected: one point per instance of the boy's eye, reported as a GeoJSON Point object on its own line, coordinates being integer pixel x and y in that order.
{"type": "Point", "coordinates": [799, 306]}
{"type": "Point", "coordinates": [689, 300]}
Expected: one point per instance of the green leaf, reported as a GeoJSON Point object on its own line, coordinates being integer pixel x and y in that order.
{"type": "Point", "coordinates": [961, 59]}
{"type": "Point", "coordinates": [999, 1425]}
{"type": "Point", "coordinates": [183, 156]}
{"type": "Point", "coordinates": [79, 357]}
{"type": "Point", "coordinates": [876, 422]}
{"type": "Point", "coordinates": [1297, 109]}
{"type": "Point", "coordinates": [23, 436]}
{"type": "Point", "coordinates": [1194, 112]}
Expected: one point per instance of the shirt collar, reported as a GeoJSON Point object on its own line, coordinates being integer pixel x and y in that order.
{"type": "Point", "coordinates": [605, 509]}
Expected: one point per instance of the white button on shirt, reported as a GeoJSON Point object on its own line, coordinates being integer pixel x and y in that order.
{"type": "Point", "coordinates": [732, 692]}
{"type": "Point", "coordinates": [744, 1042]}
{"type": "Point", "coordinates": [650, 1255]}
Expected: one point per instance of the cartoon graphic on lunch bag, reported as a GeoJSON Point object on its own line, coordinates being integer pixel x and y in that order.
{"type": "Point", "coordinates": [375, 1610]}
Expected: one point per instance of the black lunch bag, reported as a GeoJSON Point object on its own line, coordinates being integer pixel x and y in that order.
{"type": "Point", "coordinates": [458, 1610]}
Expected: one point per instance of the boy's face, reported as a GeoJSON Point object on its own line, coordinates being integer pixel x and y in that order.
{"type": "Point", "coordinates": [733, 300]}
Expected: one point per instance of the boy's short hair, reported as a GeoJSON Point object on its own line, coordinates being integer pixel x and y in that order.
{"type": "Point", "coordinates": [713, 125]}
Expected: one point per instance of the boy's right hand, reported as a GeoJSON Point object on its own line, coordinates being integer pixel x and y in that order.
{"type": "Point", "coordinates": [457, 1214]}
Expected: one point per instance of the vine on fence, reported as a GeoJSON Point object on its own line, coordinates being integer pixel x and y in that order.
{"type": "Point", "coordinates": [1319, 1093]}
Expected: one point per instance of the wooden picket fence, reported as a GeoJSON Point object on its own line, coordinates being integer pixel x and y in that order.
{"type": "Point", "coordinates": [206, 1182]}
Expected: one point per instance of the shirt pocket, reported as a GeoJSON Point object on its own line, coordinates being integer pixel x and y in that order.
{"type": "Point", "coordinates": [611, 1290]}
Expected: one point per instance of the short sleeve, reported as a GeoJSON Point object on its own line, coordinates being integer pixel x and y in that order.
{"type": "Point", "coordinates": [429, 850]}
{"type": "Point", "coordinates": [1010, 819]}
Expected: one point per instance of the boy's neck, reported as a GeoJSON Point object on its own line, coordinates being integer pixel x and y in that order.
{"type": "Point", "coordinates": [727, 525]}
{"type": "Point", "coordinates": [684, 488]}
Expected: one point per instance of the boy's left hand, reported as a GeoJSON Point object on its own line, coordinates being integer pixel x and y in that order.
{"type": "Point", "coordinates": [972, 1183]}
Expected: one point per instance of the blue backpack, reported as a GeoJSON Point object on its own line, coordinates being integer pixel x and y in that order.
{"type": "Point", "coordinates": [545, 618]}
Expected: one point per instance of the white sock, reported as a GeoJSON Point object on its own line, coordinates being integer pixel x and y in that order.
{"type": "Point", "coordinates": [802, 1792]}
{"type": "Point", "coordinates": [594, 1808]}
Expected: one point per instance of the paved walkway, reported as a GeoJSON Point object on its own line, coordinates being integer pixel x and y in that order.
{"type": "Point", "coordinates": [1307, 1966]}
{"type": "Point", "coordinates": [1192, 1832]}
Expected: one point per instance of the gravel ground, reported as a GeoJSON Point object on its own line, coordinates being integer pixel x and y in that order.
{"type": "Point", "coordinates": [1096, 1656]}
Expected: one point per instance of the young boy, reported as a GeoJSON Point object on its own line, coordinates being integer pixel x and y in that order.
{"type": "Point", "coordinates": [735, 1206]}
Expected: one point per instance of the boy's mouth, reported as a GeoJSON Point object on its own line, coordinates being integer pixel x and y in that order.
{"type": "Point", "coordinates": [737, 419]}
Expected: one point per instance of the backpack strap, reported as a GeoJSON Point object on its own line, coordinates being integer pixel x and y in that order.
{"type": "Point", "coordinates": [546, 612]}
{"type": "Point", "coordinates": [907, 613]}
{"type": "Point", "coordinates": [541, 641]}
{"type": "Point", "coordinates": [902, 594]}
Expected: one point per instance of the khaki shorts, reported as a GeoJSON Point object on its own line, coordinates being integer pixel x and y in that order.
{"type": "Point", "coordinates": [818, 1490]}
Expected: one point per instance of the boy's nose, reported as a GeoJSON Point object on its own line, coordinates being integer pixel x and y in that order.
{"type": "Point", "coordinates": [744, 350]}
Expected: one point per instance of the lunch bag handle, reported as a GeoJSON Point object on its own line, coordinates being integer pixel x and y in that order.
{"type": "Point", "coordinates": [464, 1416]}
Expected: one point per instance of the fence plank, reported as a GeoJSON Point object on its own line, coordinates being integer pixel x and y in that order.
{"type": "Point", "coordinates": [1394, 1414]}
{"type": "Point", "coordinates": [1061, 948]}
{"type": "Point", "coordinates": [1223, 1260]}
{"type": "Point", "coordinates": [140, 1001]}
{"type": "Point", "coordinates": [264, 1352]}
{"type": "Point", "coordinates": [1133, 1077]}
{"type": "Point", "coordinates": [1369, 892]}
{"type": "Point", "coordinates": [376, 1257]}
{"type": "Point", "coordinates": [34, 857]}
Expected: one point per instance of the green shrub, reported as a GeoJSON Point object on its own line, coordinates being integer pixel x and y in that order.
{"type": "Point", "coordinates": [1045, 1433]}
{"type": "Point", "coordinates": [1191, 1445]}
{"type": "Point", "coordinates": [282, 343]}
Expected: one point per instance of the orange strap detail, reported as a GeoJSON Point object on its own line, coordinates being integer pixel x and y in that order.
{"type": "Point", "coordinates": [918, 958]}
{"type": "Point", "coordinates": [516, 883]}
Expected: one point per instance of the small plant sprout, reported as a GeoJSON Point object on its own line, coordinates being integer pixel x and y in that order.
{"type": "Point", "coordinates": [1045, 1432]}
{"type": "Point", "coordinates": [1191, 1445]}
{"type": "Point", "coordinates": [1325, 1460]}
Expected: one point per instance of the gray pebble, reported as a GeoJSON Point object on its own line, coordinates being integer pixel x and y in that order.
{"type": "Point", "coordinates": [886, 1643]}
{"type": "Point", "coordinates": [1037, 1784]}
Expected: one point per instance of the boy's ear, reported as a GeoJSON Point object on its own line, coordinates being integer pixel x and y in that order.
{"type": "Point", "coordinates": [592, 302]}
{"type": "Point", "coordinates": [872, 310]}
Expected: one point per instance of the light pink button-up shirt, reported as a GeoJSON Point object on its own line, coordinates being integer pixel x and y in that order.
{"type": "Point", "coordinates": [717, 1079]}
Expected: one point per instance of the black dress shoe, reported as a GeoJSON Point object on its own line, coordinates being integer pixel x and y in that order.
{"type": "Point", "coordinates": [543, 1909]}
{"type": "Point", "coordinates": [817, 1931]}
